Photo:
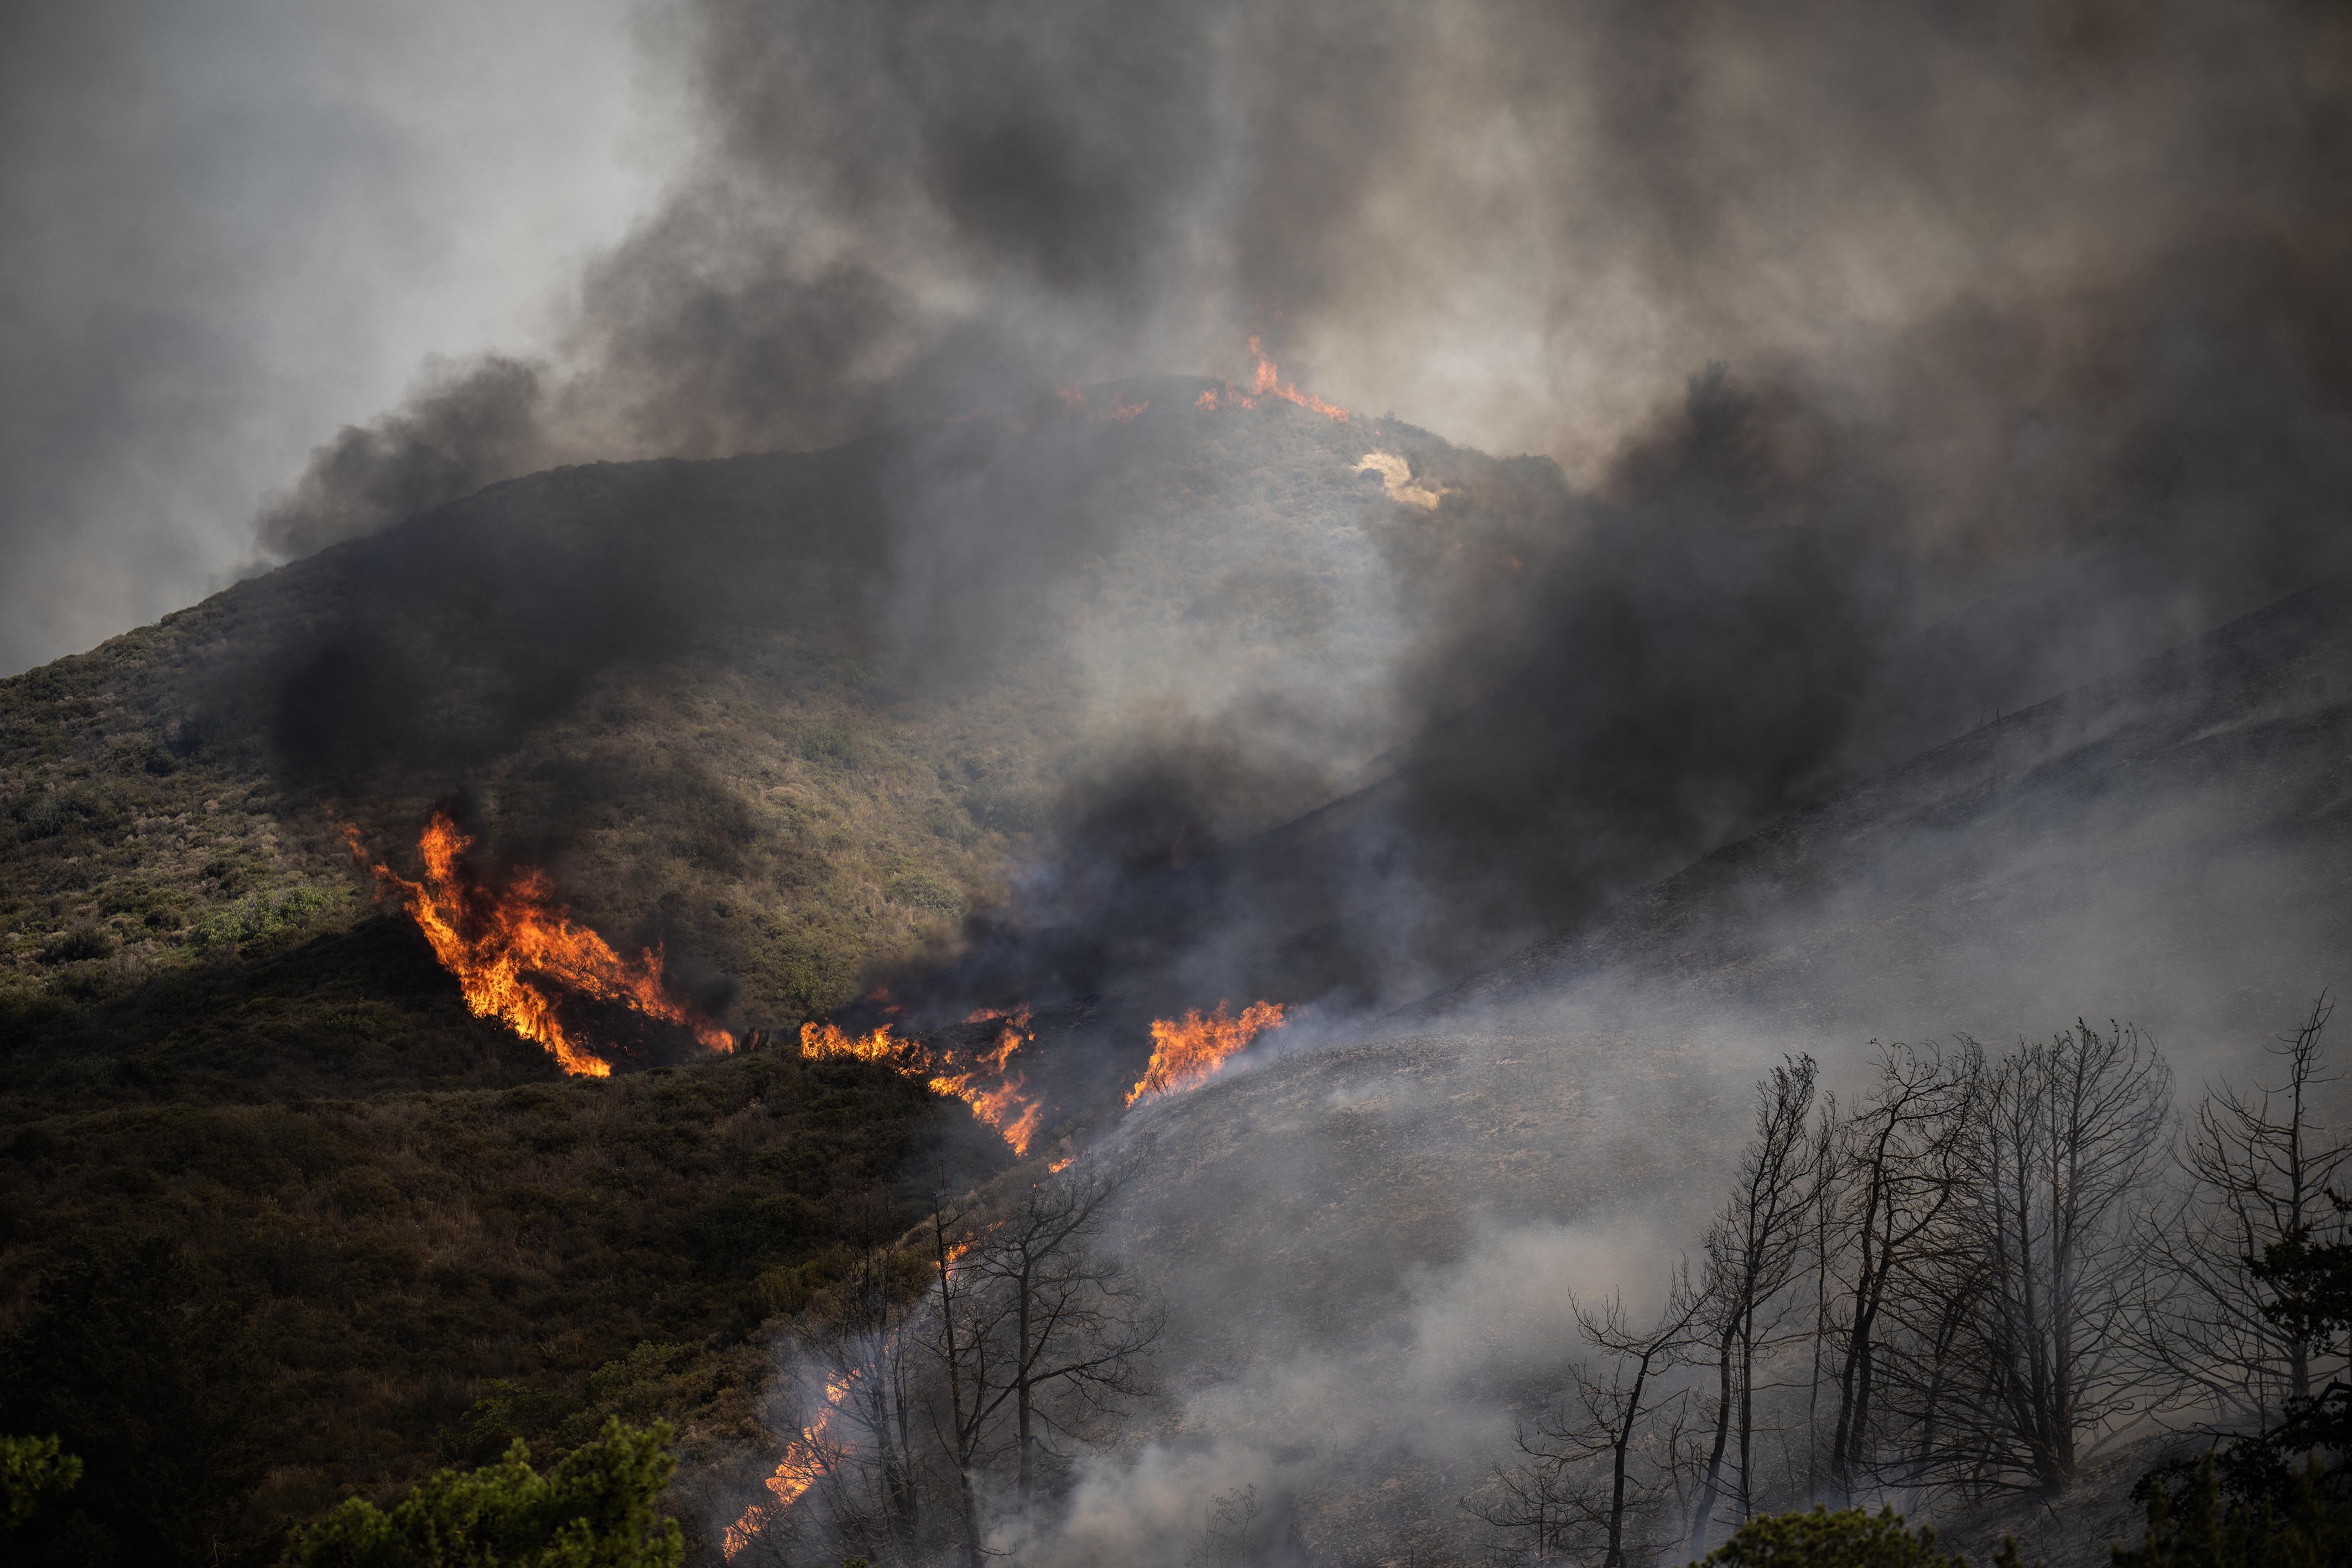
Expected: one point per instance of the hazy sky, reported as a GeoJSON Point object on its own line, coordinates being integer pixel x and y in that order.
{"type": "Point", "coordinates": [235, 226]}
{"type": "Point", "coordinates": [2039, 270]}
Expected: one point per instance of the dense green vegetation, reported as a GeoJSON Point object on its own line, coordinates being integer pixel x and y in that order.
{"type": "Point", "coordinates": [2194, 1526]}
{"type": "Point", "coordinates": [237, 1313]}
{"type": "Point", "coordinates": [598, 1509]}
{"type": "Point", "coordinates": [35, 1472]}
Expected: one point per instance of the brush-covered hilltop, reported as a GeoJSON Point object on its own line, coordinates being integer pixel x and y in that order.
{"type": "Point", "coordinates": [786, 720]}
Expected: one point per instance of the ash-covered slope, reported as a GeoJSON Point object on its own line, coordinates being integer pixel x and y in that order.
{"type": "Point", "coordinates": [2172, 843]}
{"type": "Point", "coordinates": [1370, 1239]}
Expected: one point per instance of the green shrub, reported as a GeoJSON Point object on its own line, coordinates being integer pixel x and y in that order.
{"type": "Point", "coordinates": [1850, 1538]}
{"type": "Point", "coordinates": [33, 1470]}
{"type": "Point", "coordinates": [596, 1510]}
{"type": "Point", "coordinates": [261, 915]}
{"type": "Point", "coordinates": [921, 890]}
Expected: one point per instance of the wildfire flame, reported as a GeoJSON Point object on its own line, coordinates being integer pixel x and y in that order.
{"type": "Point", "coordinates": [1119, 412]}
{"type": "Point", "coordinates": [505, 946]}
{"type": "Point", "coordinates": [983, 1083]}
{"type": "Point", "coordinates": [1188, 1051]}
{"type": "Point", "coordinates": [1267, 382]}
{"type": "Point", "coordinates": [809, 1458]}
{"type": "Point", "coordinates": [806, 1460]}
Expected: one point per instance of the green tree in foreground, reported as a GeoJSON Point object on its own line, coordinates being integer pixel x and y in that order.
{"type": "Point", "coordinates": [32, 1470]}
{"type": "Point", "coordinates": [595, 1510]}
{"type": "Point", "coordinates": [1850, 1538]}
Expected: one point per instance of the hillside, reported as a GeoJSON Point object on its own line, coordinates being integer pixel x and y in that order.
{"type": "Point", "coordinates": [1400, 1214]}
{"type": "Point", "coordinates": [803, 722]}
{"type": "Point", "coordinates": [685, 689]}
{"type": "Point", "coordinates": [714, 701]}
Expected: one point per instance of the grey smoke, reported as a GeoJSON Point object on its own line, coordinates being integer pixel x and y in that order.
{"type": "Point", "coordinates": [238, 225]}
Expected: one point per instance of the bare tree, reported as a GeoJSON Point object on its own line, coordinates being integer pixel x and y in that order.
{"type": "Point", "coordinates": [2067, 1135]}
{"type": "Point", "coordinates": [1036, 1327]}
{"type": "Point", "coordinates": [860, 1335]}
{"type": "Point", "coordinates": [2257, 1169]}
{"type": "Point", "coordinates": [963, 1335]}
{"type": "Point", "coordinates": [1898, 1162]}
{"type": "Point", "coordinates": [1541, 1494]}
{"type": "Point", "coordinates": [1228, 1534]}
{"type": "Point", "coordinates": [1754, 1251]}
{"type": "Point", "coordinates": [1822, 1206]}
{"type": "Point", "coordinates": [1613, 1406]}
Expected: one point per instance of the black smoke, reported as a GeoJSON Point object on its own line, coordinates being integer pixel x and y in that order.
{"type": "Point", "coordinates": [2035, 313]}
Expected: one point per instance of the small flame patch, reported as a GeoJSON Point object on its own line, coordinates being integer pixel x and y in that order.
{"type": "Point", "coordinates": [1187, 1052]}
{"type": "Point", "coordinates": [984, 1082]}
{"type": "Point", "coordinates": [1267, 381]}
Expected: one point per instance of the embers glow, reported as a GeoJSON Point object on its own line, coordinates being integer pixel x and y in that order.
{"type": "Point", "coordinates": [984, 1081]}
{"type": "Point", "coordinates": [1267, 382]}
{"type": "Point", "coordinates": [514, 952]}
{"type": "Point", "coordinates": [1188, 1051]}
{"type": "Point", "coordinates": [806, 1460]}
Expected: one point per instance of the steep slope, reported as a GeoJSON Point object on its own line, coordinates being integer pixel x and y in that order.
{"type": "Point", "coordinates": [1372, 1239]}
{"type": "Point", "coordinates": [788, 718]}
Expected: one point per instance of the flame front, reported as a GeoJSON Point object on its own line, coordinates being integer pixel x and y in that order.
{"type": "Point", "coordinates": [806, 1460]}
{"type": "Point", "coordinates": [983, 1083]}
{"type": "Point", "coordinates": [505, 947]}
{"type": "Point", "coordinates": [1188, 1051]}
{"type": "Point", "coordinates": [1267, 382]}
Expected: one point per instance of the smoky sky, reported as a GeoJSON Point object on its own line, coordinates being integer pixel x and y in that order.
{"type": "Point", "coordinates": [1961, 230]}
{"type": "Point", "coordinates": [1520, 225]}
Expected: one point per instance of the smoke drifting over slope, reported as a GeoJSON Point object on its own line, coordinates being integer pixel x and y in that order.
{"type": "Point", "coordinates": [2040, 304]}
{"type": "Point", "coordinates": [2031, 313]}
{"type": "Point", "coordinates": [2035, 274]}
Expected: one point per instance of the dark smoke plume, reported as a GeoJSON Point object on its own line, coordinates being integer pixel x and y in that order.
{"type": "Point", "coordinates": [2036, 316]}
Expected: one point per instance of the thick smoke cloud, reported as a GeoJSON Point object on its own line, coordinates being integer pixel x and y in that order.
{"type": "Point", "coordinates": [2033, 315]}
{"type": "Point", "coordinates": [2035, 332]}
{"type": "Point", "coordinates": [2015, 251]}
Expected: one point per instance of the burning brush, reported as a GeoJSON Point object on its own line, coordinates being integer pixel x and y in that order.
{"type": "Point", "coordinates": [516, 952]}
{"type": "Point", "coordinates": [981, 1080]}
{"type": "Point", "coordinates": [1187, 1052]}
{"type": "Point", "coordinates": [1267, 382]}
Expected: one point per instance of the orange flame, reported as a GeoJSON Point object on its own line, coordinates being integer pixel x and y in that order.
{"type": "Point", "coordinates": [1119, 412]}
{"type": "Point", "coordinates": [805, 1462]}
{"type": "Point", "coordinates": [1267, 382]}
{"type": "Point", "coordinates": [999, 1104]}
{"type": "Point", "coordinates": [1188, 1052]}
{"type": "Point", "coordinates": [502, 945]}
